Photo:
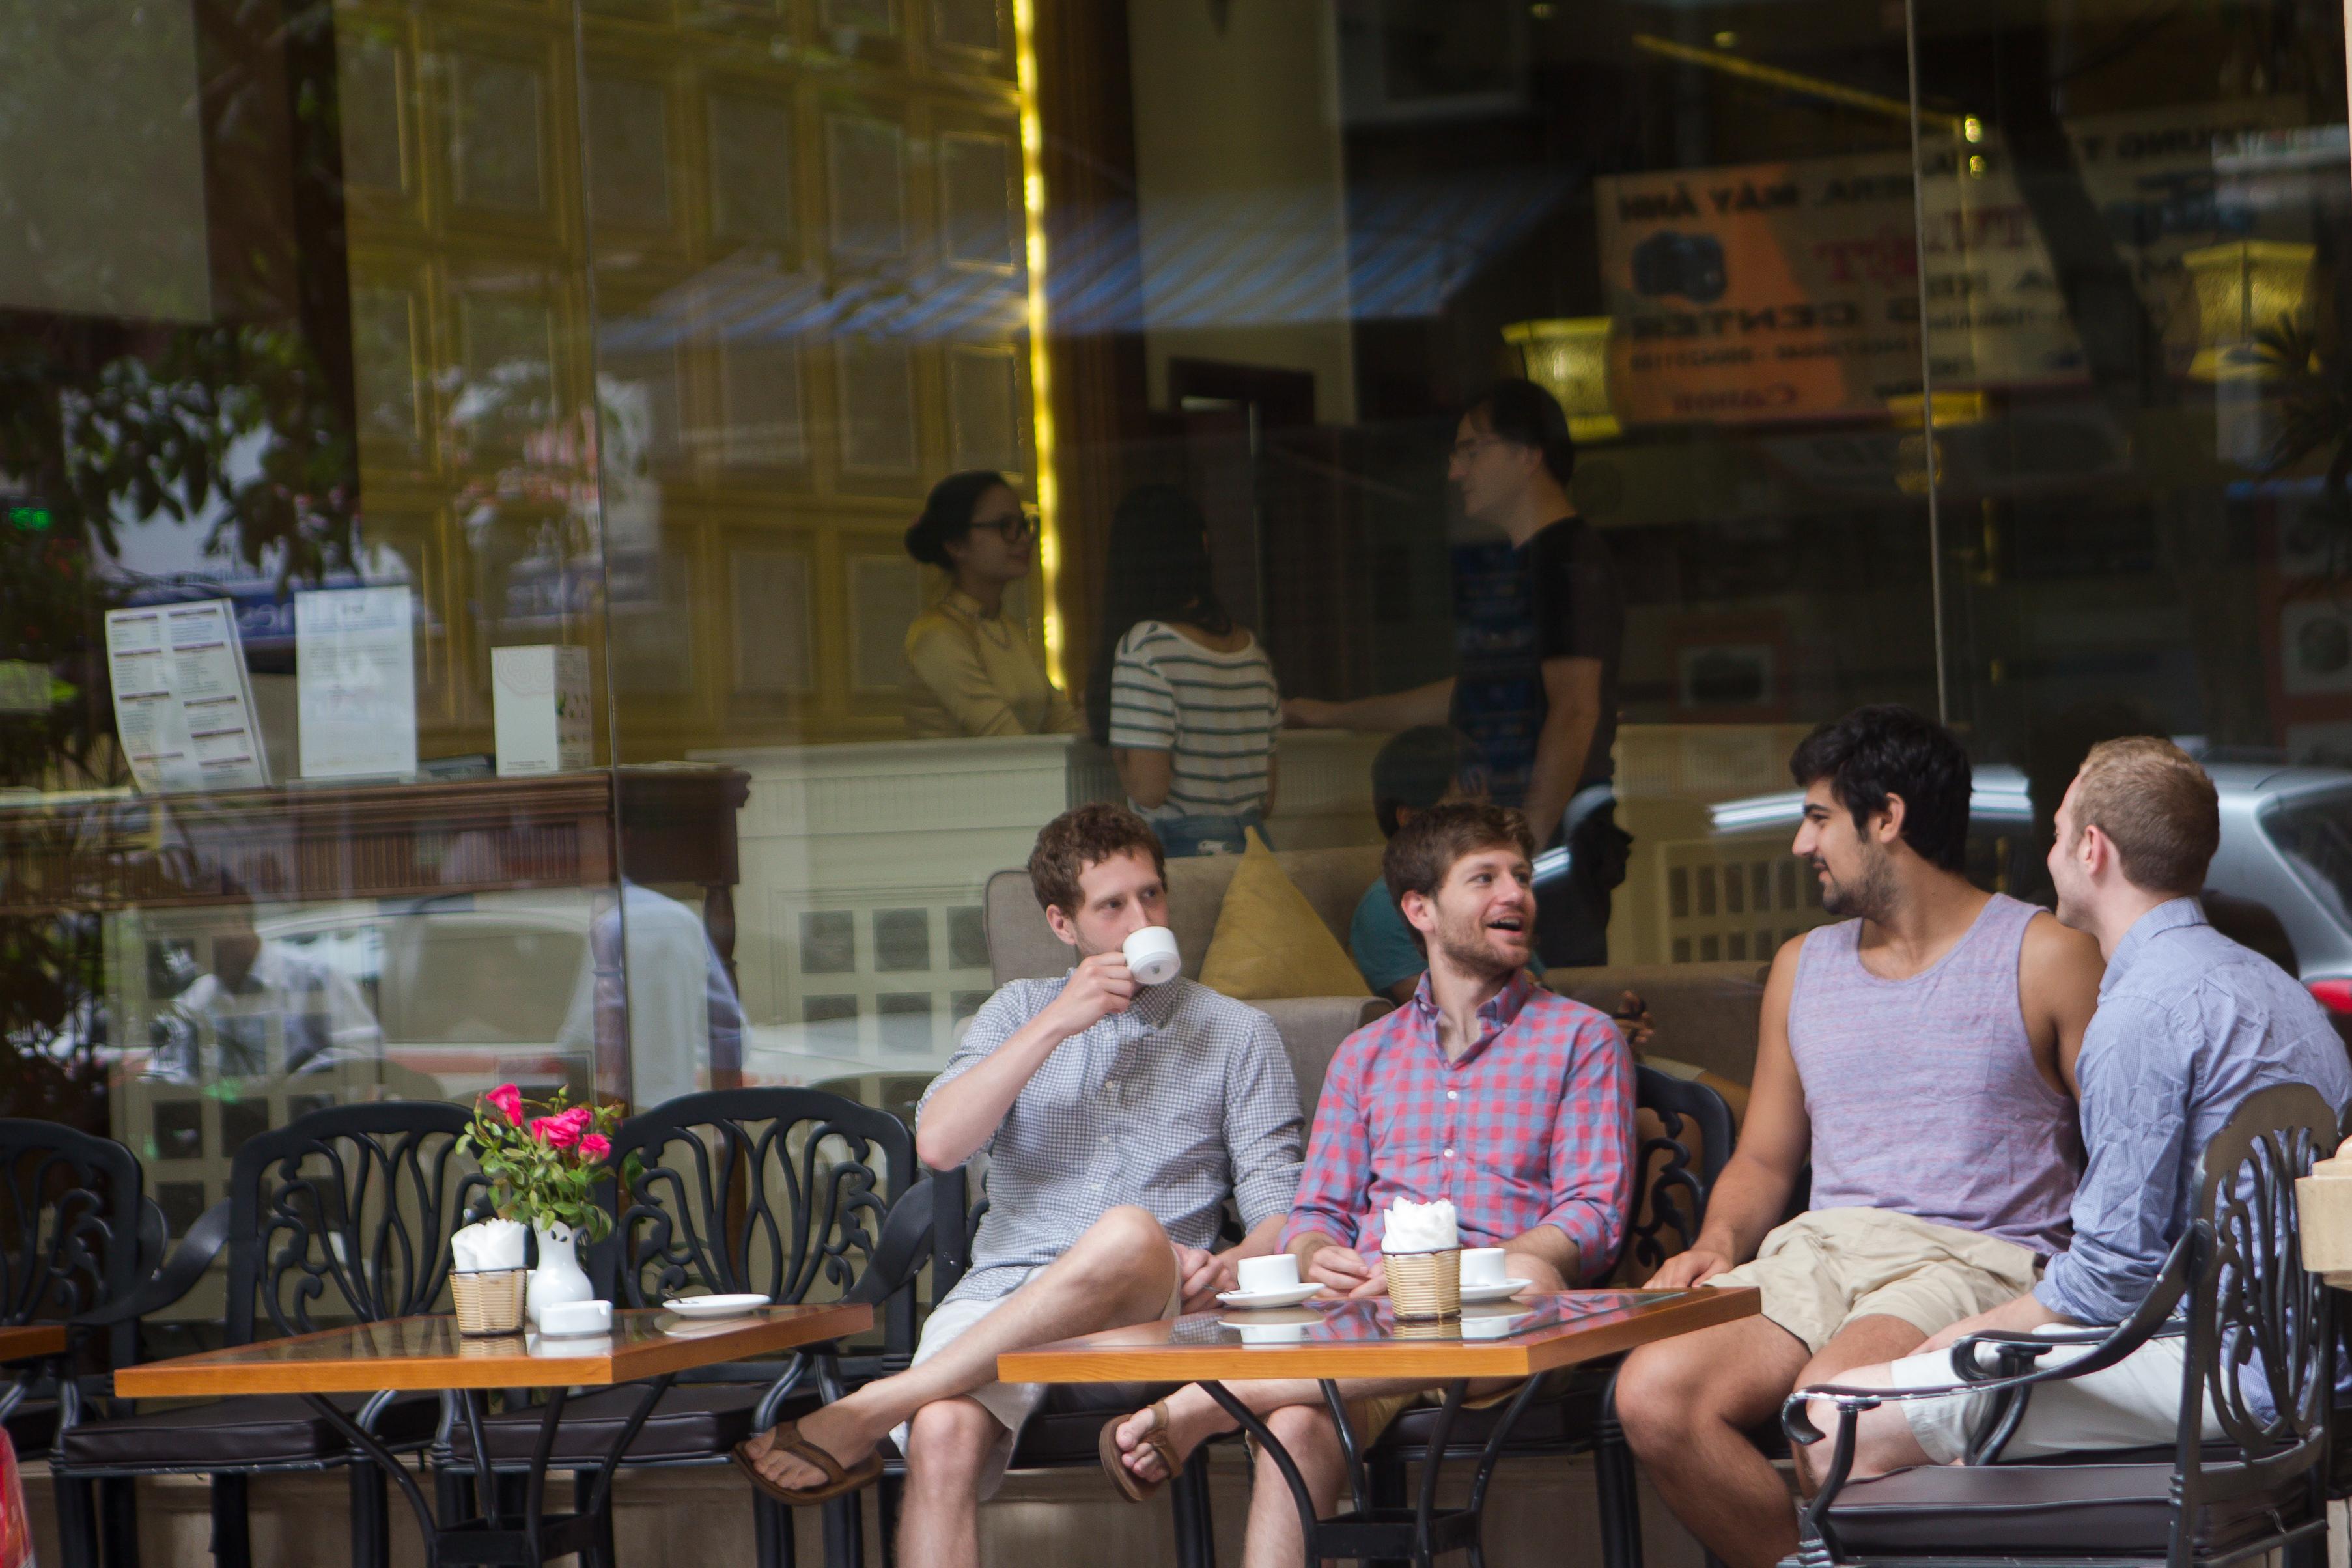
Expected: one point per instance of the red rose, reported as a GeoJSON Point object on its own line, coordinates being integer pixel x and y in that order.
{"type": "Point", "coordinates": [595, 1146]}
{"type": "Point", "coordinates": [556, 1132]}
{"type": "Point", "coordinates": [508, 1100]}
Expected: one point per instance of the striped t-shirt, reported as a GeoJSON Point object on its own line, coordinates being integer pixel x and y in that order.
{"type": "Point", "coordinates": [1214, 714]}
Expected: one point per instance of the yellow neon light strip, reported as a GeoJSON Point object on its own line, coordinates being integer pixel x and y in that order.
{"type": "Point", "coordinates": [1795, 82]}
{"type": "Point", "coordinates": [1041, 408]}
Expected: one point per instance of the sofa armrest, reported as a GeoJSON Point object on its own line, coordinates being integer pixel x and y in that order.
{"type": "Point", "coordinates": [1312, 1028]}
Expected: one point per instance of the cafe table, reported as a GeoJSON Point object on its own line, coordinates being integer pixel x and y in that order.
{"type": "Point", "coordinates": [407, 1355]}
{"type": "Point", "coordinates": [1329, 1341]}
{"type": "Point", "coordinates": [23, 1342]}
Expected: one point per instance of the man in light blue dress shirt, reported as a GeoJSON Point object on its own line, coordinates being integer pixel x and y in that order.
{"type": "Point", "coordinates": [2189, 1023]}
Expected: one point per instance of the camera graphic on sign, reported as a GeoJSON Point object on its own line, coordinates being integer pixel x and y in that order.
{"type": "Point", "coordinates": [1690, 265]}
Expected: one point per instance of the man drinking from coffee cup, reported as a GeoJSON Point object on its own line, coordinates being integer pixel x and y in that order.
{"type": "Point", "coordinates": [1485, 1111]}
{"type": "Point", "coordinates": [1118, 1117]}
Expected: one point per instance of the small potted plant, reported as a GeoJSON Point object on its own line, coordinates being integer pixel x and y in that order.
{"type": "Point", "coordinates": [544, 1161]}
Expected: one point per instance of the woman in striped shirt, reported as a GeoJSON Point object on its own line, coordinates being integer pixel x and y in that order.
{"type": "Point", "coordinates": [1182, 695]}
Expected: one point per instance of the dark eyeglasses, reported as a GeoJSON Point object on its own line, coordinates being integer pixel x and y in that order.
{"type": "Point", "coordinates": [1020, 525]}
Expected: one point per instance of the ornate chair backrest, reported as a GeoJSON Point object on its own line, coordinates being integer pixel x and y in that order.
{"type": "Point", "coordinates": [778, 1191]}
{"type": "Point", "coordinates": [1675, 1168]}
{"type": "Point", "coordinates": [2259, 1323]}
{"type": "Point", "coordinates": [344, 1215]}
{"type": "Point", "coordinates": [69, 1215]}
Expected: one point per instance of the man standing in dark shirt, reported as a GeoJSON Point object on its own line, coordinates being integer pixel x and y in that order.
{"type": "Point", "coordinates": [1538, 627]}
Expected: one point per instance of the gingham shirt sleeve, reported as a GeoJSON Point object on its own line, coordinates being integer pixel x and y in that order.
{"type": "Point", "coordinates": [1592, 1147]}
{"type": "Point", "coordinates": [1339, 1159]}
{"type": "Point", "coordinates": [996, 1022]}
{"type": "Point", "coordinates": [1262, 1124]}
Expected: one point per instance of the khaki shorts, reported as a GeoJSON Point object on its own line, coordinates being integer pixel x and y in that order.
{"type": "Point", "coordinates": [1823, 1270]}
{"type": "Point", "coordinates": [1011, 1403]}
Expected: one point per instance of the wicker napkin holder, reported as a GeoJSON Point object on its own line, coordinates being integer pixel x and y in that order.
{"type": "Point", "coordinates": [490, 1301]}
{"type": "Point", "coordinates": [1425, 1285]}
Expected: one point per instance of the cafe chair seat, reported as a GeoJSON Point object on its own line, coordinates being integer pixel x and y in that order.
{"type": "Point", "coordinates": [262, 1429]}
{"type": "Point", "coordinates": [2036, 1509]}
{"type": "Point", "coordinates": [689, 1425]}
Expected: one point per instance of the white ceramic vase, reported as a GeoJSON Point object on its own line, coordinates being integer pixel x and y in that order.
{"type": "Point", "coordinates": [559, 1277]}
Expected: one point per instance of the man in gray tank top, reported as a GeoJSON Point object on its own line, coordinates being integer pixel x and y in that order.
{"type": "Point", "coordinates": [1921, 1054]}
{"type": "Point", "coordinates": [2190, 1025]}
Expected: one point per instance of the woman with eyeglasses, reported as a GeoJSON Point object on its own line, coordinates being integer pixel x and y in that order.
{"type": "Point", "coordinates": [971, 671]}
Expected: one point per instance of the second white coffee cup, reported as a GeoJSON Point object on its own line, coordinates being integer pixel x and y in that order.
{"type": "Point", "coordinates": [1151, 956]}
{"type": "Point", "coordinates": [1484, 1266]}
{"type": "Point", "coordinates": [1279, 1272]}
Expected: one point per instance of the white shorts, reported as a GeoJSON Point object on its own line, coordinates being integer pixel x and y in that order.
{"type": "Point", "coordinates": [1011, 1403]}
{"type": "Point", "coordinates": [2135, 1403]}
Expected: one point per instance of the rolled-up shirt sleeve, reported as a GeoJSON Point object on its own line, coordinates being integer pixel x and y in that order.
{"type": "Point", "coordinates": [2135, 1111]}
{"type": "Point", "coordinates": [1262, 1125]}
{"type": "Point", "coordinates": [1333, 1188]}
{"type": "Point", "coordinates": [1592, 1148]}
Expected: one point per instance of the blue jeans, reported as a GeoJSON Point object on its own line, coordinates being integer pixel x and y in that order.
{"type": "Point", "coordinates": [1182, 835]}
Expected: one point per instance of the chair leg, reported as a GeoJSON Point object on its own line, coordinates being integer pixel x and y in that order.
{"type": "Point", "coordinates": [371, 1522]}
{"type": "Point", "coordinates": [1188, 1499]}
{"type": "Point", "coordinates": [605, 1554]}
{"type": "Point", "coordinates": [889, 1497]}
{"type": "Point", "coordinates": [232, 1523]}
{"type": "Point", "coordinates": [772, 1531]}
{"type": "Point", "coordinates": [77, 1505]}
{"type": "Point", "coordinates": [118, 1514]}
{"type": "Point", "coordinates": [844, 1531]}
{"type": "Point", "coordinates": [1618, 1496]}
{"type": "Point", "coordinates": [453, 1494]}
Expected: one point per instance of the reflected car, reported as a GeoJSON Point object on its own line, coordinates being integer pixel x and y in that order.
{"type": "Point", "coordinates": [2281, 881]}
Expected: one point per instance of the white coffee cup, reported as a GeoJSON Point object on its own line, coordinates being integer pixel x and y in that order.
{"type": "Point", "coordinates": [1484, 1266]}
{"type": "Point", "coordinates": [1151, 954]}
{"type": "Point", "coordinates": [1259, 1275]}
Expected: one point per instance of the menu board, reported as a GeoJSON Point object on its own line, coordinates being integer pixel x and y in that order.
{"type": "Point", "coordinates": [183, 706]}
{"type": "Point", "coordinates": [355, 682]}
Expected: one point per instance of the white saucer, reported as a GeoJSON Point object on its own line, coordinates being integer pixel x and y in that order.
{"type": "Point", "coordinates": [1246, 1299]}
{"type": "Point", "coordinates": [1502, 1293]}
{"type": "Point", "coordinates": [715, 1306]}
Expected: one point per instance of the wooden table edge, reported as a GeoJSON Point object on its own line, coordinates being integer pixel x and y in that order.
{"type": "Point", "coordinates": [216, 1373]}
{"type": "Point", "coordinates": [1435, 1359]}
{"type": "Point", "coordinates": [20, 1342]}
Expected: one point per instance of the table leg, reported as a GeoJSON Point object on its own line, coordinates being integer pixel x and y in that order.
{"type": "Point", "coordinates": [534, 1537]}
{"type": "Point", "coordinates": [1308, 1521]}
{"type": "Point", "coordinates": [1360, 1489]}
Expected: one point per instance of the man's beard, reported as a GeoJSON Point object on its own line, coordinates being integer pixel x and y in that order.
{"type": "Point", "coordinates": [1870, 895]}
{"type": "Point", "coordinates": [1467, 949]}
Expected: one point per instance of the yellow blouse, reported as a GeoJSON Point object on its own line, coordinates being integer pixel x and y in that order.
{"type": "Point", "coordinates": [970, 673]}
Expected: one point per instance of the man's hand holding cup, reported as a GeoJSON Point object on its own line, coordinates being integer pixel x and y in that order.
{"type": "Point", "coordinates": [1098, 987]}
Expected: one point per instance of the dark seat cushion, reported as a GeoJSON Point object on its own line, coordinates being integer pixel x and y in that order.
{"type": "Point", "coordinates": [1565, 1415]}
{"type": "Point", "coordinates": [696, 1421]}
{"type": "Point", "coordinates": [232, 1433]}
{"type": "Point", "coordinates": [2112, 1509]}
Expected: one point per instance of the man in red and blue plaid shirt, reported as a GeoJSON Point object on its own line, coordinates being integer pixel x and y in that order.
{"type": "Point", "coordinates": [1514, 1104]}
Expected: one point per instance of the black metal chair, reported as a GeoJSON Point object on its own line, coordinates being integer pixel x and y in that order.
{"type": "Point", "coordinates": [2256, 1322]}
{"type": "Point", "coordinates": [342, 1216]}
{"type": "Point", "coordinates": [1062, 1434]}
{"type": "Point", "coordinates": [76, 1235]}
{"type": "Point", "coordinates": [784, 1192]}
{"type": "Point", "coordinates": [1576, 1412]}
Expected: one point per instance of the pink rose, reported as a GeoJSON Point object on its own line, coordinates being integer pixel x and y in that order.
{"type": "Point", "coordinates": [595, 1146]}
{"type": "Point", "coordinates": [508, 1100]}
{"type": "Point", "coordinates": [563, 1132]}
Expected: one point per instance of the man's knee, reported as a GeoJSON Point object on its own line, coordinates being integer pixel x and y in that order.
{"type": "Point", "coordinates": [1661, 1392]}
{"type": "Point", "coordinates": [1122, 1238]}
{"type": "Point", "coordinates": [947, 1442]}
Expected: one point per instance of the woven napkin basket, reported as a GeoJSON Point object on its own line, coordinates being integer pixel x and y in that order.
{"type": "Point", "coordinates": [489, 1303]}
{"type": "Point", "coordinates": [1424, 1285]}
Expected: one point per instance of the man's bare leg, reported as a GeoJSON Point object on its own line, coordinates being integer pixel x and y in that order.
{"type": "Point", "coordinates": [1294, 1409]}
{"type": "Point", "coordinates": [1686, 1405]}
{"type": "Point", "coordinates": [1119, 1272]}
{"type": "Point", "coordinates": [1883, 1439]}
{"type": "Point", "coordinates": [948, 1447]}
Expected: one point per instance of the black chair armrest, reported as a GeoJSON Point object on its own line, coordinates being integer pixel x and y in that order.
{"type": "Point", "coordinates": [174, 1280]}
{"type": "Point", "coordinates": [904, 1246]}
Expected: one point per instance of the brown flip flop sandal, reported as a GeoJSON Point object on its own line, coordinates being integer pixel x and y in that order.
{"type": "Point", "coordinates": [837, 1480]}
{"type": "Point", "coordinates": [1132, 1487]}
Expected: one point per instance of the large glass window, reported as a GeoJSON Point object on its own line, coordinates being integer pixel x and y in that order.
{"type": "Point", "coordinates": [480, 600]}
